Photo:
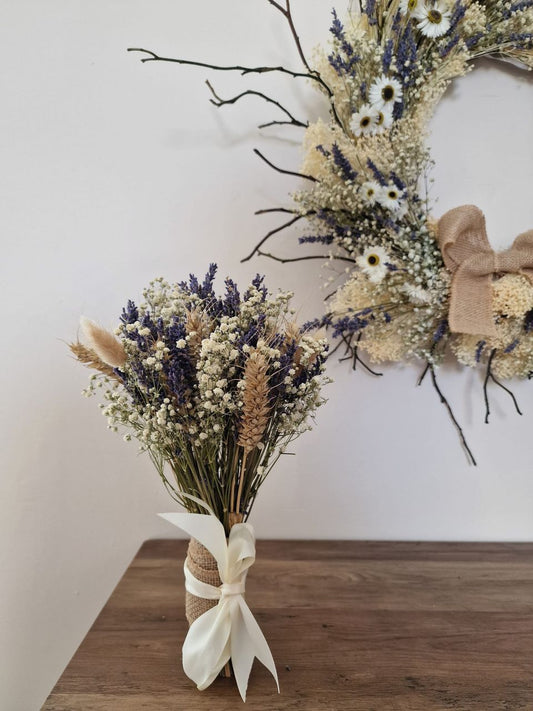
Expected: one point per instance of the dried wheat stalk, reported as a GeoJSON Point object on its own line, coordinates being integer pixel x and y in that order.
{"type": "Point", "coordinates": [255, 398]}
{"type": "Point", "coordinates": [293, 332]}
{"type": "Point", "coordinates": [197, 327]}
{"type": "Point", "coordinates": [89, 358]}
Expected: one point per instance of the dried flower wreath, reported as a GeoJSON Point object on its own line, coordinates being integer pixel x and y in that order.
{"type": "Point", "coordinates": [417, 287]}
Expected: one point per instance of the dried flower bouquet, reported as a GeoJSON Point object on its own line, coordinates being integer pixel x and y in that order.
{"type": "Point", "coordinates": [214, 389]}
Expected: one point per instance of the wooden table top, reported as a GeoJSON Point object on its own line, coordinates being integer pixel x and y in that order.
{"type": "Point", "coordinates": [353, 626]}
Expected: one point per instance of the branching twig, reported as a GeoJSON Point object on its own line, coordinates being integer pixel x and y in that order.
{"type": "Point", "coordinates": [281, 170]}
{"type": "Point", "coordinates": [489, 375]}
{"type": "Point", "coordinates": [286, 12]}
{"type": "Point", "coordinates": [266, 210]}
{"type": "Point", "coordinates": [445, 402]}
{"type": "Point", "coordinates": [153, 57]}
{"type": "Point", "coordinates": [332, 352]}
{"type": "Point", "coordinates": [285, 260]}
{"type": "Point", "coordinates": [267, 236]}
{"type": "Point", "coordinates": [424, 373]}
{"type": "Point", "coordinates": [218, 102]}
{"type": "Point", "coordinates": [354, 355]}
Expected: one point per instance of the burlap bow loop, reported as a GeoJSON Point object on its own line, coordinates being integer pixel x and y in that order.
{"type": "Point", "coordinates": [467, 254]}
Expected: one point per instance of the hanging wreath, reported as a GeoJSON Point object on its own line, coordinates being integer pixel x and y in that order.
{"type": "Point", "coordinates": [417, 287]}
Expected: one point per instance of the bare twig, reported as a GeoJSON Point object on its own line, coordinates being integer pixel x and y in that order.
{"type": "Point", "coordinates": [352, 353]}
{"type": "Point", "coordinates": [277, 209]}
{"type": "Point", "coordinates": [332, 352]}
{"type": "Point", "coordinates": [456, 424]}
{"type": "Point", "coordinates": [489, 375]}
{"type": "Point", "coordinates": [285, 260]}
{"type": "Point", "coordinates": [424, 373]}
{"type": "Point", "coordinates": [153, 57]}
{"type": "Point", "coordinates": [218, 102]}
{"type": "Point", "coordinates": [269, 234]}
{"type": "Point", "coordinates": [281, 170]}
{"type": "Point", "coordinates": [287, 13]}
{"type": "Point", "coordinates": [312, 74]}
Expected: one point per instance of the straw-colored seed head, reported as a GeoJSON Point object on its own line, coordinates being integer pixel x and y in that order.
{"type": "Point", "coordinates": [89, 358]}
{"type": "Point", "coordinates": [104, 344]}
{"type": "Point", "coordinates": [293, 332]}
{"type": "Point", "coordinates": [255, 409]}
{"type": "Point", "coordinates": [197, 325]}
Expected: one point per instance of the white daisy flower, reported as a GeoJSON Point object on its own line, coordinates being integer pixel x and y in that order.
{"type": "Point", "coordinates": [391, 197]}
{"type": "Point", "coordinates": [385, 91]}
{"type": "Point", "coordinates": [373, 263]}
{"type": "Point", "coordinates": [415, 293]}
{"type": "Point", "coordinates": [409, 6]}
{"type": "Point", "coordinates": [383, 119]}
{"type": "Point", "coordinates": [433, 19]}
{"type": "Point", "coordinates": [401, 210]}
{"type": "Point", "coordinates": [363, 123]}
{"type": "Point", "coordinates": [370, 191]}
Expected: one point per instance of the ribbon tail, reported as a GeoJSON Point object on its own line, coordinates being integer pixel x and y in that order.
{"type": "Point", "coordinates": [206, 649]}
{"type": "Point", "coordinates": [248, 642]}
{"type": "Point", "coordinates": [242, 651]}
{"type": "Point", "coordinates": [206, 529]}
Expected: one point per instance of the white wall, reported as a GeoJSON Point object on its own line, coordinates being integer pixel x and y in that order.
{"type": "Point", "coordinates": [114, 172]}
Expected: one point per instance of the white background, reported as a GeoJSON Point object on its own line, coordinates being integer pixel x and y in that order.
{"type": "Point", "coordinates": [114, 172]}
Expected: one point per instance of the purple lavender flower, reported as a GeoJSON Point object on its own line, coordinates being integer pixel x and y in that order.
{"type": "Point", "coordinates": [510, 348]}
{"type": "Point", "coordinates": [232, 299]}
{"type": "Point", "coordinates": [528, 321]}
{"type": "Point", "coordinates": [344, 165]}
{"type": "Point", "coordinates": [387, 56]}
{"type": "Point", "coordinates": [444, 51]}
{"type": "Point", "coordinates": [397, 181]}
{"type": "Point", "coordinates": [378, 175]}
{"type": "Point", "coordinates": [406, 56]}
{"type": "Point", "coordinates": [441, 331]}
{"type": "Point", "coordinates": [369, 10]}
{"type": "Point", "coordinates": [521, 6]}
{"type": "Point", "coordinates": [457, 15]}
{"type": "Point", "coordinates": [472, 41]}
{"type": "Point", "coordinates": [316, 239]}
{"type": "Point", "coordinates": [130, 314]}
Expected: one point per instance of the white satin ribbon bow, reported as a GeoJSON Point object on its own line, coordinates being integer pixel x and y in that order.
{"type": "Point", "coordinates": [228, 630]}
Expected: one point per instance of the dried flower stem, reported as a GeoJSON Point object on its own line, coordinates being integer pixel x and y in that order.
{"type": "Point", "coordinates": [241, 481]}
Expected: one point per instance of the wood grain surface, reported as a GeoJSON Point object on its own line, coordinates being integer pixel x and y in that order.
{"type": "Point", "coordinates": [353, 626]}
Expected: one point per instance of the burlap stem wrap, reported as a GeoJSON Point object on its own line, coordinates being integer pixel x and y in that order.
{"type": "Point", "coordinates": [204, 567]}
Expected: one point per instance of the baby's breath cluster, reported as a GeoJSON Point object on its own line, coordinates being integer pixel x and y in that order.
{"type": "Point", "coordinates": [213, 387]}
{"type": "Point", "coordinates": [383, 74]}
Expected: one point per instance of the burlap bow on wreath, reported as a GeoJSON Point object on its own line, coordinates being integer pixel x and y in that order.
{"type": "Point", "coordinates": [472, 262]}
